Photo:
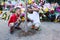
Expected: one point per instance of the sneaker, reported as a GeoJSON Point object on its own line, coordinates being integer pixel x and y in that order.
{"type": "Point", "coordinates": [37, 29]}
{"type": "Point", "coordinates": [11, 30]}
{"type": "Point", "coordinates": [33, 27]}
{"type": "Point", "coordinates": [18, 28]}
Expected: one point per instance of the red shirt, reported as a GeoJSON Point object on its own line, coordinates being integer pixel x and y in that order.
{"type": "Point", "coordinates": [13, 18]}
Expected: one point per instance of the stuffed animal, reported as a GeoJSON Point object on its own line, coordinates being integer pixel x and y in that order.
{"type": "Point", "coordinates": [22, 17]}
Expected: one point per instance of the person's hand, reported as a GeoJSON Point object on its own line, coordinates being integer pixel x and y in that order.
{"type": "Point", "coordinates": [35, 9]}
{"type": "Point", "coordinates": [19, 18]}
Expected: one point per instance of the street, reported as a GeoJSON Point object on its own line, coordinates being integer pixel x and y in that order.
{"type": "Point", "coordinates": [49, 31]}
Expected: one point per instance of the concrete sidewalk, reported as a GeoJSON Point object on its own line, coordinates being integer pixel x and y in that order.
{"type": "Point", "coordinates": [49, 31]}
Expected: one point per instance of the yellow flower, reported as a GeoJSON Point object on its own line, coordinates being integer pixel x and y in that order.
{"type": "Point", "coordinates": [0, 12]}
{"type": "Point", "coordinates": [2, 3]}
{"type": "Point", "coordinates": [46, 10]}
{"type": "Point", "coordinates": [29, 1]}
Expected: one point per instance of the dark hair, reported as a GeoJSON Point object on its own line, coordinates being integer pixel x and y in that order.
{"type": "Point", "coordinates": [13, 10]}
{"type": "Point", "coordinates": [17, 8]}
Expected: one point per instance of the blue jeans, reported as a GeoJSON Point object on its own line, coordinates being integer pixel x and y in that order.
{"type": "Point", "coordinates": [16, 24]}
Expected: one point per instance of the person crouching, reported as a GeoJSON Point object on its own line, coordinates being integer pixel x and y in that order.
{"type": "Point", "coordinates": [14, 20]}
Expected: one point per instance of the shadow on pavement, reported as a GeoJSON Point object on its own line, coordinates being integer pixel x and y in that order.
{"type": "Point", "coordinates": [20, 33]}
